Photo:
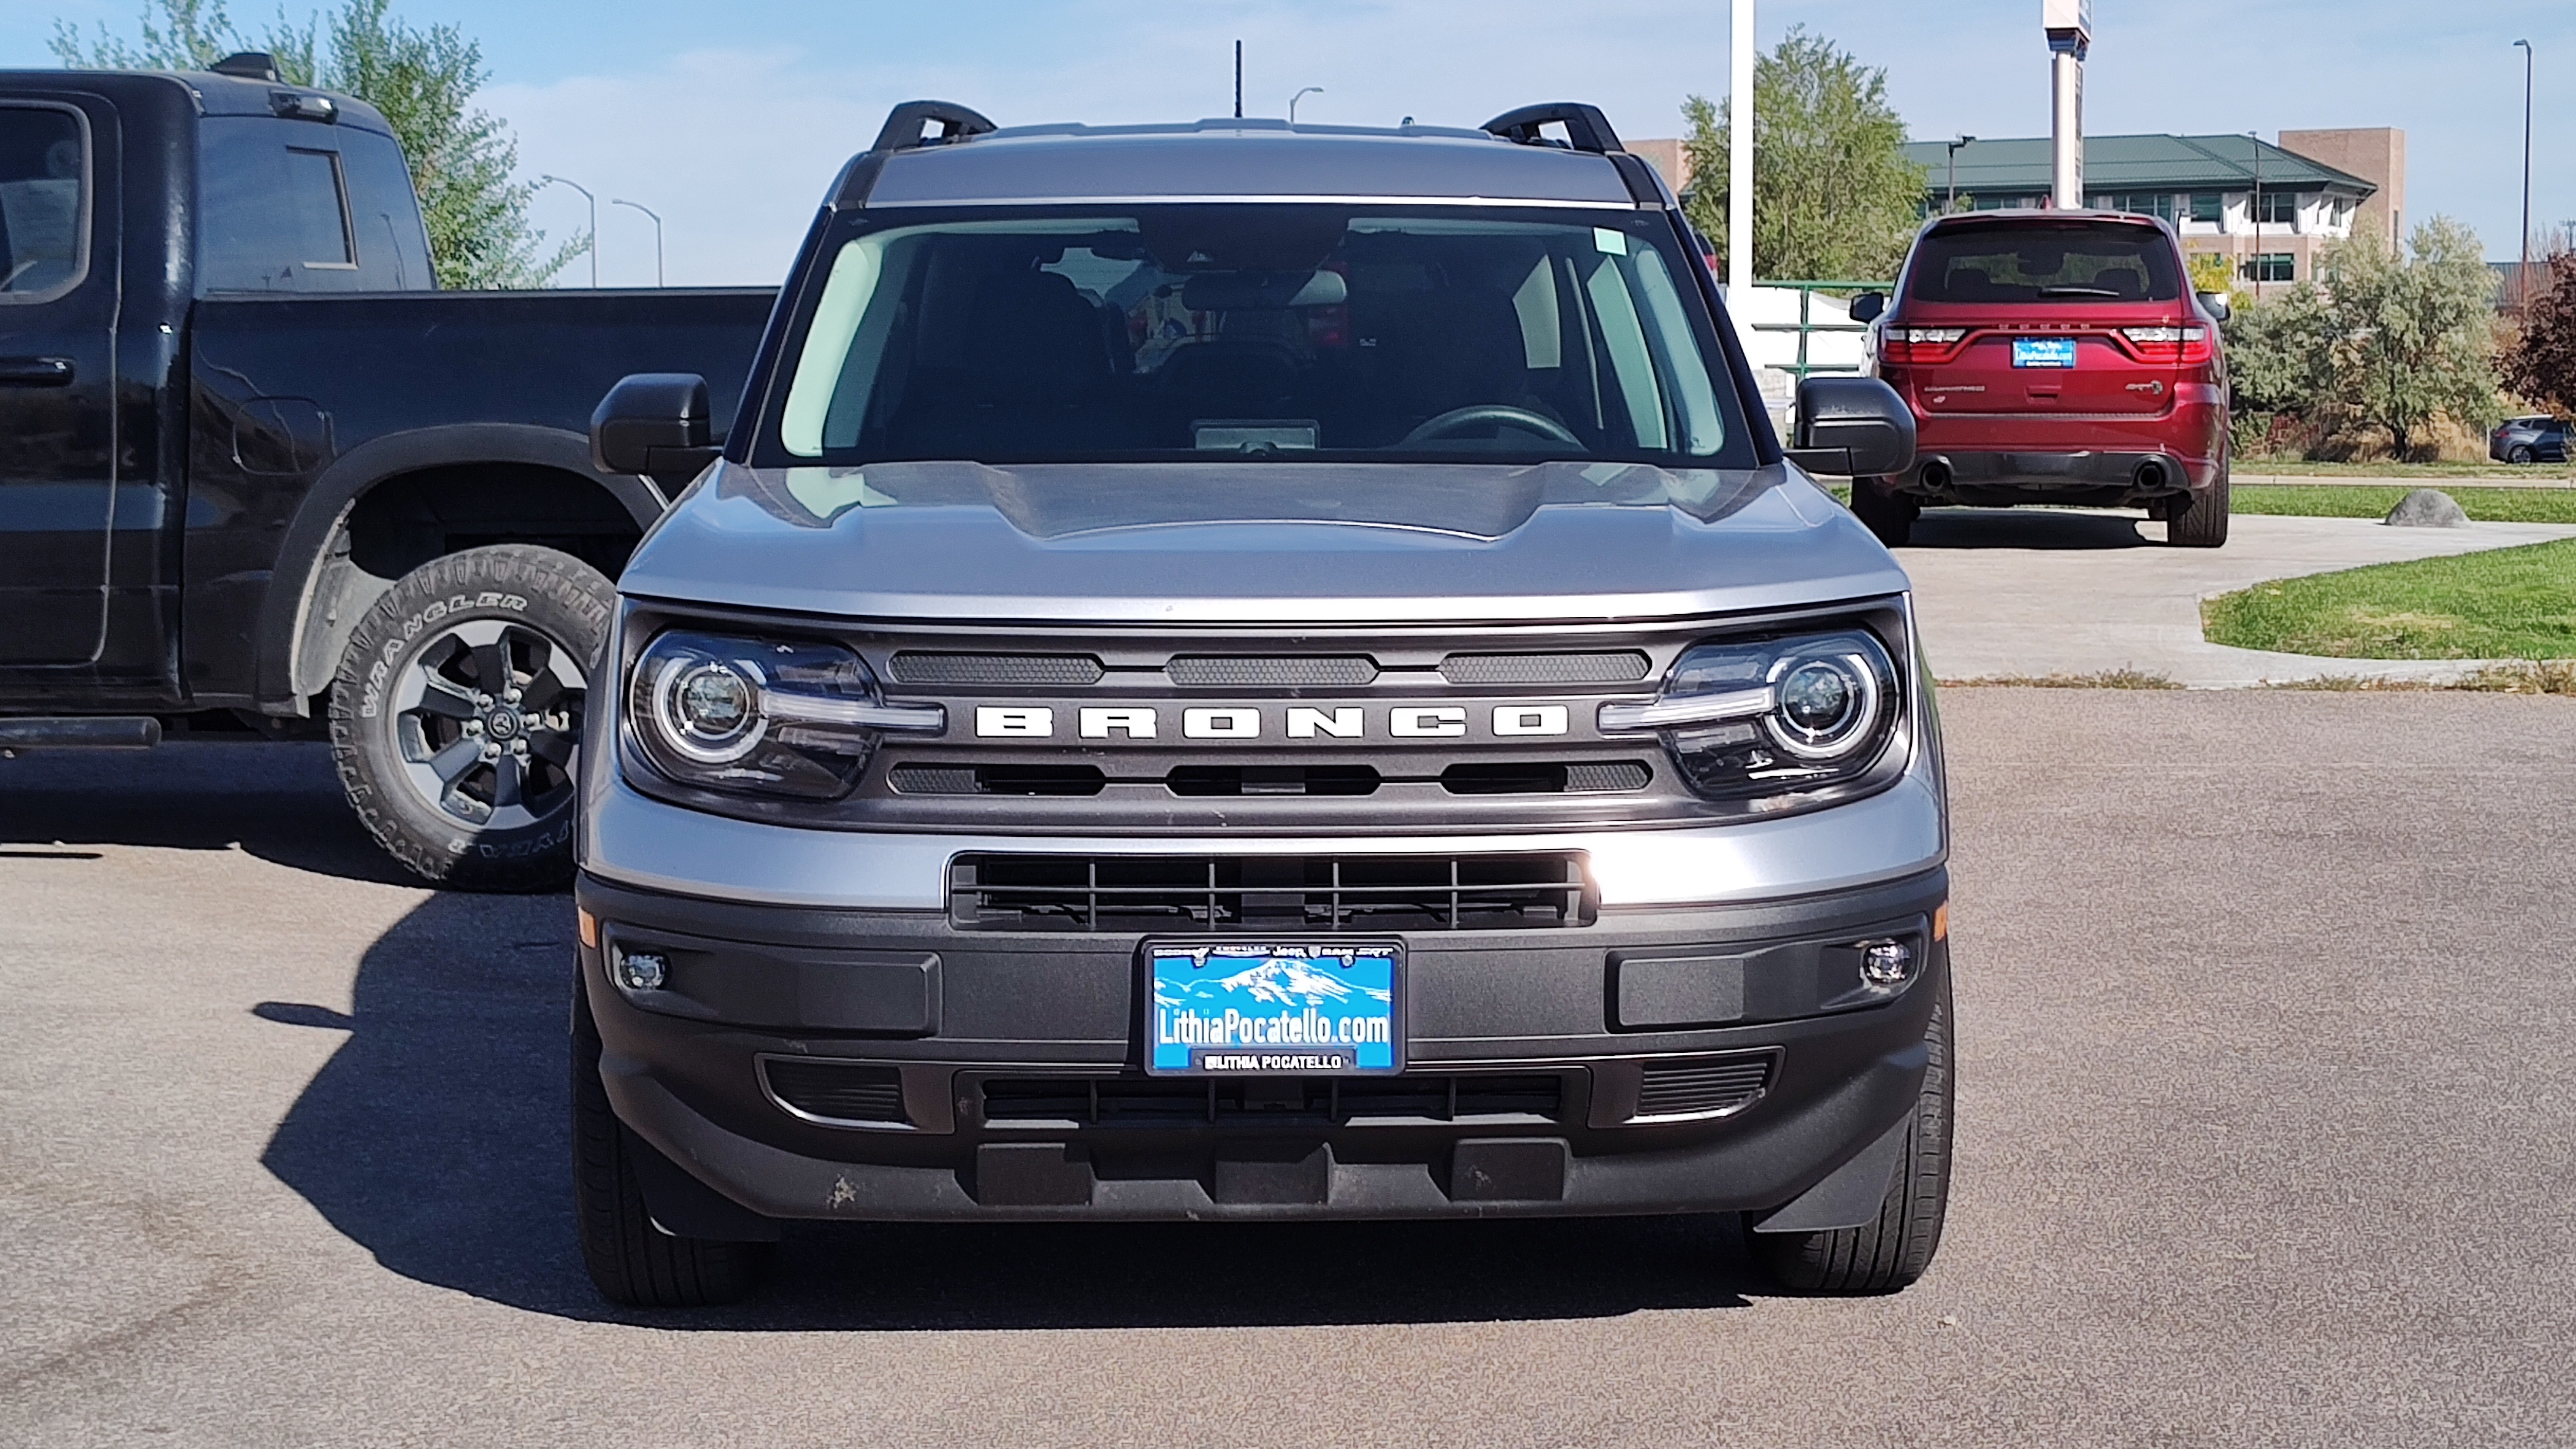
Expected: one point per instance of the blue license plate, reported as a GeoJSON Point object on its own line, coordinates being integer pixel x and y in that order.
{"type": "Point", "coordinates": [1264, 1008]}
{"type": "Point", "coordinates": [2043, 352]}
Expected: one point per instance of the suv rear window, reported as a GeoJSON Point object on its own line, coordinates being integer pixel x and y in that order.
{"type": "Point", "coordinates": [2045, 262]}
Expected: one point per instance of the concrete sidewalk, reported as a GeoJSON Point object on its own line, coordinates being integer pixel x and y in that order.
{"type": "Point", "coordinates": [2033, 592]}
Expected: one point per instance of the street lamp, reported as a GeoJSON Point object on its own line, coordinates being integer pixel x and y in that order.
{"type": "Point", "coordinates": [594, 221]}
{"type": "Point", "coordinates": [657, 234]}
{"type": "Point", "coordinates": [2522, 273]}
{"type": "Point", "coordinates": [1310, 91]}
{"type": "Point", "coordinates": [1952, 204]}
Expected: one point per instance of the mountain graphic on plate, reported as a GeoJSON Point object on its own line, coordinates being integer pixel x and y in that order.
{"type": "Point", "coordinates": [1289, 981]}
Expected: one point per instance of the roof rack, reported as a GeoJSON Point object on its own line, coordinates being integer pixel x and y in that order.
{"type": "Point", "coordinates": [1586, 129]}
{"type": "Point", "coordinates": [903, 128]}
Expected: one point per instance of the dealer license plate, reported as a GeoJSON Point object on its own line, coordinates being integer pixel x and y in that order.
{"type": "Point", "coordinates": [2043, 352]}
{"type": "Point", "coordinates": [1271, 1007]}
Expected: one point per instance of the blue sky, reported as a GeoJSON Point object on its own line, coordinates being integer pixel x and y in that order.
{"type": "Point", "coordinates": [729, 118]}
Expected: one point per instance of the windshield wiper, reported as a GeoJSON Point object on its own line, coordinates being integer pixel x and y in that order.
{"type": "Point", "coordinates": [2078, 292]}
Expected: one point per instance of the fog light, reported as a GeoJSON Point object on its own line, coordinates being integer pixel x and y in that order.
{"type": "Point", "coordinates": [642, 970]}
{"type": "Point", "coordinates": [1886, 963]}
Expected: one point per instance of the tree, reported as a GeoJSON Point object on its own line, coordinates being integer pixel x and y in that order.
{"type": "Point", "coordinates": [462, 159]}
{"type": "Point", "coordinates": [1833, 194]}
{"type": "Point", "coordinates": [2542, 363]}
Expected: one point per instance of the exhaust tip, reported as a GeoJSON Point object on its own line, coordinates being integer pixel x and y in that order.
{"type": "Point", "coordinates": [1936, 473]}
{"type": "Point", "coordinates": [2151, 474]}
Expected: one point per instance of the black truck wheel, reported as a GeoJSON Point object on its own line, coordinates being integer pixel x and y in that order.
{"type": "Point", "coordinates": [631, 1259]}
{"type": "Point", "coordinates": [457, 710]}
{"type": "Point", "coordinates": [2198, 520]}
{"type": "Point", "coordinates": [1883, 1256]}
{"type": "Point", "coordinates": [1890, 516]}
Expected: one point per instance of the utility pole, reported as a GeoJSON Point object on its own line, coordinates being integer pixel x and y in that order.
{"type": "Point", "coordinates": [2069, 24]}
{"type": "Point", "coordinates": [1952, 204]}
{"type": "Point", "coordinates": [1739, 164]}
{"type": "Point", "coordinates": [2522, 273]}
{"type": "Point", "coordinates": [1238, 80]}
{"type": "Point", "coordinates": [2255, 204]}
{"type": "Point", "coordinates": [594, 221]}
{"type": "Point", "coordinates": [657, 234]}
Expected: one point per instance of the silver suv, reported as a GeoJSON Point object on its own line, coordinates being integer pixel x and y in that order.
{"type": "Point", "coordinates": [1237, 671]}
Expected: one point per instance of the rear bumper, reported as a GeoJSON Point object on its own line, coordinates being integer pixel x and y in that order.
{"type": "Point", "coordinates": [2107, 478]}
{"type": "Point", "coordinates": [997, 1070]}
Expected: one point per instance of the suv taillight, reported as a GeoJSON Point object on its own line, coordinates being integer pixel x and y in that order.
{"type": "Point", "coordinates": [2184, 345]}
{"type": "Point", "coordinates": [1915, 346]}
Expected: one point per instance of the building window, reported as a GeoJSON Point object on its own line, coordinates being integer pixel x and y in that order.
{"type": "Point", "coordinates": [2271, 267]}
{"type": "Point", "coordinates": [2276, 208]}
{"type": "Point", "coordinates": [2208, 206]}
{"type": "Point", "coordinates": [2159, 204]}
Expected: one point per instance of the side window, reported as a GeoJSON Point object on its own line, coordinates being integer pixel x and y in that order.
{"type": "Point", "coordinates": [43, 212]}
{"type": "Point", "coordinates": [393, 250]}
{"type": "Point", "coordinates": [317, 206]}
{"type": "Point", "coordinates": [290, 206]}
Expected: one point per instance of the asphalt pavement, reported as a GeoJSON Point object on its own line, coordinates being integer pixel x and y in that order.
{"type": "Point", "coordinates": [2268, 1122]}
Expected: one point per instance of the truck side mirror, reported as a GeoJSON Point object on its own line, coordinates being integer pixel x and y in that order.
{"type": "Point", "coordinates": [2217, 306]}
{"type": "Point", "coordinates": [1852, 427]}
{"type": "Point", "coordinates": [653, 422]}
{"type": "Point", "coordinates": [1868, 306]}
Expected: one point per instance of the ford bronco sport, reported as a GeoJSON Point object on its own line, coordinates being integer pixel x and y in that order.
{"type": "Point", "coordinates": [1235, 671]}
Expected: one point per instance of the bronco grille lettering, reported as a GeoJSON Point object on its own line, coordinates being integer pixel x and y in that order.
{"type": "Point", "coordinates": [1247, 722]}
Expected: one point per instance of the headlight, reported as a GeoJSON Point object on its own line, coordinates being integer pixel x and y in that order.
{"type": "Point", "coordinates": [1770, 716]}
{"type": "Point", "coordinates": [767, 716]}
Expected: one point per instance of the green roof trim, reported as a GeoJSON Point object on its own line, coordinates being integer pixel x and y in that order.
{"type": "Point", "coordinates": [2020, 167]}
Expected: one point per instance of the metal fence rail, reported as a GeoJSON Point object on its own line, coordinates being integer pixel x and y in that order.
{"type": "Point", "coordinates": [1806, 326]}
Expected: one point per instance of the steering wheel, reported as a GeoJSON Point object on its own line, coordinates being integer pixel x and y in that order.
{"type": "Point", "coordinates": [1458, 419]}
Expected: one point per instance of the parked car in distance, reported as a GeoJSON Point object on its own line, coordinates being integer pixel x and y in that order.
{"type": "Point", "coordinates": [2053, 357]}
{"type": "Point", "coordinates": [260, 480]}
{"type": "Point", "coordinates": [1249, 672]}
{"type": "Point", "coordinates": [2536, 439]}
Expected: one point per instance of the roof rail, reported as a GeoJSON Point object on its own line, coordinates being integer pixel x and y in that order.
{"type": "Point", "coordinates": [904, 127]}
{"type": "Point", "coordinates": [1585, 127]}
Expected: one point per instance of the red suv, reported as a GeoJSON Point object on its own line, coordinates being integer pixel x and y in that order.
{"type": "Point", "coordinates": [2053, 357]}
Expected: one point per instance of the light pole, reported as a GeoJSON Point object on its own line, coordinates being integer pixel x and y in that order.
{"type": "Point", "coordinates": [2069, 24]}
{"type": "Point", "coordinates": [1952, 204]}
{"type": "Point", "coordinates": [1301, 95]}
{"type": "Point", "coordinates": [2254, 204]}
{"type": "Point", "coordinates": [594, 221]}
{"type": "Point", "coordinates": [657, 234]}
{"type": "Point", "coordinates": [2522, 273]}
{"type": "Point", "coordinates": [1739, 167]}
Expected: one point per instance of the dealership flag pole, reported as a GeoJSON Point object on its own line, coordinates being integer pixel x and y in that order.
{"type": "Point", "coordinates": [1739, 163]}
{"type": "Point", "coordinates": [2070, 36]}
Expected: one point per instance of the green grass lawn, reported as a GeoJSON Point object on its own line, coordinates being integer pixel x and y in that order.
{"type": "Point", "coordinates": [2507, 603]}
{"type": "Point", "coordinates": [2487, 505]}
{"type": "Point", "coordinates": [2300, 468]}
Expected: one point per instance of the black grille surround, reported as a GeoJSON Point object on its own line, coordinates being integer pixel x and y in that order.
{"type": "Point", "coordinates": [1408, 1099]}
{"type": "Point", "coordinates": [837, 1092]}
{"type": "Point", "coordinates": [1293, 893]}
{"type": "Point", "coordinates": [1697, 1089]}
{"type": "Point", "coordinates": [1284, 777]}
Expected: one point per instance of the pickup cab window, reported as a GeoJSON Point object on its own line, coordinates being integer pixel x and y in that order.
{"type": "Point", "coordinates": [42, 167]}
{"type": "Point", "coordinates": [291, 206]}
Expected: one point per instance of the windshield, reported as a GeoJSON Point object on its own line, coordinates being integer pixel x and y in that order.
{"type": "Point", "coordinates": [2045, 262]}
{"type": "Point", "coordinates": [1257, 332]}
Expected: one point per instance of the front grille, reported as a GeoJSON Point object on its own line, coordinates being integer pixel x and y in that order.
{"type": "Point", "coordinates": [1374, 893]}
{"type": "Point", "coordinates": [838, 1091]}
{"type": "Point", "coordinates": [1617, 667]}
{"type": "Point", "coordinates": [1539, 778]}
{"type": "Point", "coordinates": [1702, 1087]}
{"type": "Point", "coordinates": [1184, 1102]}
{"type": "Point", "coordinates": [1272, 780]}
{"type": "Point", "coordinates": [996, 779]}
{"type": "Point", "coordinates": [916, 667]}
{"type": "Point", "coordinates": [1195, 669]}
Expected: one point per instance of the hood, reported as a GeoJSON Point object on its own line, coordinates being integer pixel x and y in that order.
{"type": "Point", "coordinates": [1264, 543]}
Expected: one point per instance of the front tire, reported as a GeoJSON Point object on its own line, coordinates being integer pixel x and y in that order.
{"type": "Point", "coordinates": [1892, 1252]}
{"type": "Point", "coordinates": [2199, 520]}
{"type": "Point", "coordinates": [1890, 516]}
{"type": "Point", "coordinates": [457, 709]}
{"type": "Point", "coordinates": [2520, 453]}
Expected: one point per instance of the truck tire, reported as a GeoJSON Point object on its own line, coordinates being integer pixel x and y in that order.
{"type": "Point", "coordinates": [457, 710]}
{"type": "Point", "coordinates": [631, 1259]}
{"type": "Point", "coordinates": [1888, 515]}
{"type": "Point", "coordinates": [2199, 520]}
{"type": "Point", "coordinates": [1888, 1254]}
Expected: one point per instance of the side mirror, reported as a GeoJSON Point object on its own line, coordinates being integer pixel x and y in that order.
{"type": "Point", "coordinates": [1852, 427]}
{"type": "Point", "coordinates": [2217, 306]}
{"type": "Point", "coordinates": [1868, 306]}
{"type": "Point", "coordinates": [653, 422]}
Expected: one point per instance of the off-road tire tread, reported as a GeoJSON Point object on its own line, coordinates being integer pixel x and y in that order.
{"type": "Point", "coordinates": [1894, 1251]}
{"type": "Point", "coordinates": [2199, 520]}
{"type": "Point", "coordinates": [631, 1261]}
{"type": "Point", "coordinates": [578, 597]}
{"type": "Point", "coordinates": [1888, 516]}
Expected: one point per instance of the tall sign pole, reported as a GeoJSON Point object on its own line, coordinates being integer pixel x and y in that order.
{"type": "Point", "coordinates": [1739, 162]}
{"type": "Point", "coordinates": [2070, 36]}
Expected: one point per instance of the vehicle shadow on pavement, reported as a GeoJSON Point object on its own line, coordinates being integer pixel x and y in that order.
{"type": "Point", "coordinates": [2043, 528]}
{"type": "Point", "coordinates": [436, 1138]}
{"type": "Point", "coordinates": [279, 802]}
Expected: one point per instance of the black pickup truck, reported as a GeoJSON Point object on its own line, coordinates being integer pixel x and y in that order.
{"type": "Point", "coordinates": [259, 478]}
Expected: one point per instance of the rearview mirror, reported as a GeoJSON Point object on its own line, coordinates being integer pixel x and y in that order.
{"type": "Point", "coordinates": [1852, 427]}
{"type": "Point", "coordinates": [1868, 306]}
{"type": "Point", "coordinates": [2217, 305]}
{"type": "Point", "coordinates": [653, 422]}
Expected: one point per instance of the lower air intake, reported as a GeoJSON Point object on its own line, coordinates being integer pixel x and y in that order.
{"type": "Point", "coordinates": [1331, 893]}
{"type": "Point", "coordinates": [838, 1091]}
{"type": "Point", "coordinates": [1701, 1087]}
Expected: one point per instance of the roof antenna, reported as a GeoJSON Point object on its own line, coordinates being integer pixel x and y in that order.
{"type": "Point", "coordinates": [1238, 80]}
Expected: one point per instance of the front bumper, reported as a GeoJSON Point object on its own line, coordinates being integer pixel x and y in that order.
{"type": "Point", "coordinates": [995, 1074]}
